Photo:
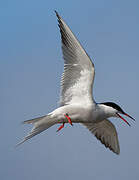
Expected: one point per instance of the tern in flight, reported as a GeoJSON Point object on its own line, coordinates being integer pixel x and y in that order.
{"type": "Point", "coordinates": [76, 102]}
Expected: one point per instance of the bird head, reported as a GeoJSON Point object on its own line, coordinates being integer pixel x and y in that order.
{"type": "Point", "coordinates": [117, 111]}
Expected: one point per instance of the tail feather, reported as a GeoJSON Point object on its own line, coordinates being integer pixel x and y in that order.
{"type": "Point", "coordinates": [32, 121]}
{"type": "Point", "coordinates": [40, 124]}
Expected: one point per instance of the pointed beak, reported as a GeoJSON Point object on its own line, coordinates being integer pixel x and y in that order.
{"type": "Point", "coordinates": [124, 119]}
{"type": "Point", "coordinates": [129, 116]}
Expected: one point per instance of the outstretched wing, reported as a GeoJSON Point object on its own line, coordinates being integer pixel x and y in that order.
{"type": "Point", "coordinates": [78, 75]}
{"type": "Point", "coordinates": [106, 132]}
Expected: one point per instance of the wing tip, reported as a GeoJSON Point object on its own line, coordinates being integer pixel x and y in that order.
{"type": "Point", "coordinates": [21, 142]}
{"type": "Point", "coordinates": [116, 151]}
{"type": "Point", "coordinates": [57, 14]}
{"type": "Point", "coordinates": [107, 145]}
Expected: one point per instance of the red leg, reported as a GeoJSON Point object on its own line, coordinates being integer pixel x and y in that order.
{"type": "Point", "coordinates": [69, 119]}
{"type": "Point", "coordinates": [60, 127]}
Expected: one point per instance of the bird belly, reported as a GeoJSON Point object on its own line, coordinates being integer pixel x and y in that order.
{"type": "Point", "coordinates": [78, 114]}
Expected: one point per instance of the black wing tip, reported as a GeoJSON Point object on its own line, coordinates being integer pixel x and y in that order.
{"type": "Point", "coordinates": [117, 152]}
{"type": "Point", "coordinates": [57, 14]}
{"type": "Point", "coordinates": [58, 18]}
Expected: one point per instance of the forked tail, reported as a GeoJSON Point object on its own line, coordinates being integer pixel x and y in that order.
{"type": "Point", "coordinates": [40, 124]}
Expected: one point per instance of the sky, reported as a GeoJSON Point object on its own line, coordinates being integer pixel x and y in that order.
{"type": "Point", "coordinates": [31, 65]}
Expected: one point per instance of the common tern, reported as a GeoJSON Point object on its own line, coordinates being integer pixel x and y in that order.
{"type": "Point", "coordinates": [77, 104]}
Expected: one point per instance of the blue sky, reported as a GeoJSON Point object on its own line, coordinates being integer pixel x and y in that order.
{"type": "Point", "coordinates": [30, 70]}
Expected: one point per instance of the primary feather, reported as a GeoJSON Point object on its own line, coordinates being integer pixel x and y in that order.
{"type": "Point", "coordinates": [78, 75]}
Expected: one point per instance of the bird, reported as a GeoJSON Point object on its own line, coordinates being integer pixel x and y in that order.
{"type": "Point", "coordinates": [77, 104]}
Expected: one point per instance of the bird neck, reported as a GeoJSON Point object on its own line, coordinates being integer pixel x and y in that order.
{"type": "Point", "coordinates": [106, 111]}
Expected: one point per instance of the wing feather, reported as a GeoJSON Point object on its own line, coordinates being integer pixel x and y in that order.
{"type": "Point", "coordinates": [78, 75]}
{"type": "Point", "coordinates": [106, 132]}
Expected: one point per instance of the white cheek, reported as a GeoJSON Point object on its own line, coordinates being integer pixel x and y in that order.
{"type": "Point", "coordinates": [110, 111]}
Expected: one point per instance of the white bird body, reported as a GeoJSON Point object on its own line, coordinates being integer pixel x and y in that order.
{"type": "Point", "coordinates": [82, 113]}
{"type": "Point", "coordinates": [76, 112]}
{"type": "Point", "coordinates": [76, 100]}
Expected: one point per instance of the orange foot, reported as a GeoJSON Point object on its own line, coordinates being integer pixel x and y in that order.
{"type": "Point", "coordinates": [60, 127]}
{"type": "Point", "coordinates": [69, 120]}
